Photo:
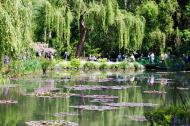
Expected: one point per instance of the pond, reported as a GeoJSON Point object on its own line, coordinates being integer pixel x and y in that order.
{"type": "Point", "coordinates": [91, 98]}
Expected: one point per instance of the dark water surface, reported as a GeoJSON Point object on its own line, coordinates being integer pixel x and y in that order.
{"type": "Point", "coordinates": [172, 89]}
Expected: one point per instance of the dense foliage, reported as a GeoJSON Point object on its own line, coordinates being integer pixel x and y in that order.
{"type": "Point", "coordinates": [97, 27]}
{"type": "Point", "coordinates": [168, 116]}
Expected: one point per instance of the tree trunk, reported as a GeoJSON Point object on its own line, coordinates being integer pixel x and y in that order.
{"type": "Point", "coordinates": [83, 31]}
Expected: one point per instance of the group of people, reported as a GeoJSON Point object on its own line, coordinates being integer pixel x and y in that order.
{"type": "Point", "coordinates": [48, 55]}
{"type": "Point", "coordinates": [121, 57]}
{"type": "Point", "coordinates": [92, 58]}
{"type": "Point", "coordinates": [186, 58]}
{"type": "Point", "coordinates": [163, 57]}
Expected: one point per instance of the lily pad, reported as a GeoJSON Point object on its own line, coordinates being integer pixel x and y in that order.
{"type": "Point", "coordinates": [87, 87]}
{"type": "Point", "coordinates": [8, 102]}
{"type": "Point", "coordinates": [63, 114]}
{"type": "Point", "coordinates": [51, 123]}
{"type": "Point", "coordinates": [154, 92]}
{"type": "Point", "coordinates": [137, 118]}
{"type": "Point", "coordinates": [94, 108]}
{"type": "Point", "coordinates": [182, 88]}
{"type": "Point", "coordinates": [9, 86]}
{"type": "Point", "coordinates": [130, 104]}
{"type": "Point", "coordinates": [102, 100]}
{"type": "Point", "coordinates": [100, 96]}
{"type": "Point", "coordinates": [52, 95]}
{"type": "Point", "coordinates": [55, 95]}
{"type": "Point", "coordinates": [97, 80]}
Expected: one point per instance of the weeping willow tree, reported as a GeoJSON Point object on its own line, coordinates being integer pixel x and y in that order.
{"type": "Point", "coordinates": [15, 27]}
{"type": "Point", "coordinates": [130, 27]}
{"type": "Point", "coordinates": [50, 21]}
{"type": "Point", "coordinates": [54, 19]}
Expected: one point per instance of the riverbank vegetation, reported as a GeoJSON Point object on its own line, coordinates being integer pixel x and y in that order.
{"type": "Point", "coordinates": [84, 28]}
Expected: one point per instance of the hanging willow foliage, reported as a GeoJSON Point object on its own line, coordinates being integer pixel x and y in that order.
{"type": "Point", "coordinates": [22, 21]}
{"type": "Point", "coordinates": [56, 19]}
{"type": "Point", "coordinates": [130, 27]}
{"type": "Point", "coordinates": [15, 27]}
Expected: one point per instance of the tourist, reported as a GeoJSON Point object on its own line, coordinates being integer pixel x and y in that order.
{"type": "Point", "coordinates": [152, 57]}
{"type": "Point", "coordinates": [66, 56]}
{"type": "Point", "coordinates": [166, 56]}
{"type": "Point", "coordinates": [151, 80]}
{"type": "Point", "coordinates": [149, 57]}
{"type": "Point", "coordinates": [89, 58]}
{"type": "Point", "coordinates": [51, 56]}
{"type": "Point", "coordinates": [162, 58]}
{"type": "Point", "coordinates": [94, 58]}
{"type": "Point", "coordinates": [132, 58]}
{"type": "Point", "coordinates": [6, 60]}
{"type": "Point", "coordinates": [119, 58]}
{"type": "Point", "coordinates": [124, 57]}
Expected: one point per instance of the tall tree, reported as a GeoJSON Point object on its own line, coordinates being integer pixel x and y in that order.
{"type": "Point", "coordinates": [130, 27]}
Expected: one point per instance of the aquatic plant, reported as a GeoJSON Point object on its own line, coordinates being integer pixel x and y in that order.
{"type": "Point", "coordinates": [94, 107]}
{"type": "Point", "coordinates": [169, 116]}
{"type": "Point", "coordinates": [51, 123]}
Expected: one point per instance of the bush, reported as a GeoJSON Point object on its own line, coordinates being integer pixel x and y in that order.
{"type": "Point", "coordinates": [16, 68]}
{"type": "Point", "coordinates": [65, 65]}
{"type": "Point", "coordinates": [102, 60]}
{"type": "Point", "coordinates": [31, 65]}
{"type": "Point", "coordinates": [187, 66]}
{"type": "Point", "coordinates": [114, 66]}
{"type": "Point", "coordinates": [45, 64]}
{"type": "Point", "coordinates": [138, 66]}
{"type": "Point", "coordinates": [165, 116]}
{"type": "Point", "coordinates": [90, 66]}
{"type": "Point", "coordinates": [169, 63]}
{"type": "Point", "coordinates": [21, 67]}
{"type": "Point", "coordinates": [124, 65]}
{"type": "Point", "coordinates": [75, 63]}
{"type": "Point", "coordinates": [103, 66]}
{"type": "Point", "coordinates": [4, 80]}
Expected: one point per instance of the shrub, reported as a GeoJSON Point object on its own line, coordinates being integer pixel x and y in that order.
{"type": "Point", "coordinates": [16, 68]}
{"type": "Point", "coordinates": [75, 63]}
{"type": "Point", "coordinates": [21, 67]}
{"type": "Point", "coordinates": [4, 80]}
{"type": "Point", "coordinates": [103, 66]}
{"type": "Point", "coordinates": [90, 66]}
{"type": "Point", "coordinates": [187, 66]}
{"type": "Point", "coordinates": [169, 63]}
{"type": "Point", "coordinates": [31, 65]}
{"type": "Point", "coordinates": [124, 65]}
{"type": "Point", "coordinates": [65, 65]}
{"type": "Point", "coordinates": [103, 60]}
{"type": "Point", "coordinates": [114, 66]}
{"type": "Point", "coordinates": [138, 66]}
{"type": "Point", "coordinates": [165, 116]}
{"type": "Point", "coordinates": [45, 64]}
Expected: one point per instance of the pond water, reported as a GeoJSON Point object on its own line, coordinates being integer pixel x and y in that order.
{"type": "Point", "coordinates": [92, 98]}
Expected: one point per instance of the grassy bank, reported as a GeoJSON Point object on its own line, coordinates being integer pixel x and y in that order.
{"type": "Point", "coordinates": [99, 65]}
{"type": "Point", "coordinates": [20, 68]}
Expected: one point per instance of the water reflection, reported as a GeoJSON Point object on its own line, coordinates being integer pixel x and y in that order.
{"type": "Point", "coordinates": [33, 108]}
